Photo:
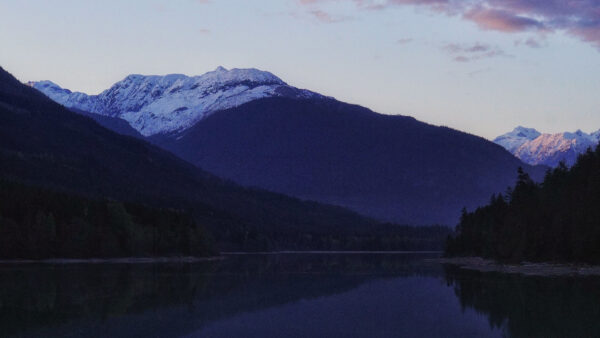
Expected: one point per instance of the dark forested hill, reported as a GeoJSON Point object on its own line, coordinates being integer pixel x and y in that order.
{"type": "Point", "coordinates": [37, 223]}
{"type": "Point", "coordinates": [557, 220]}
{"type": "Point", "coordinates": [388, 167]}
{"type": "Point", "coordinates": [44, 144]}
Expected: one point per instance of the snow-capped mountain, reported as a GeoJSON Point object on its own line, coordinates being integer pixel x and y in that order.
{"type": "Point", "coordinates": [534, 148]}
{"type": "Point", "coordinates": [301, 144]}
{"type": "Point", "coordinates": [514, 139]}
{"type": "Point", "coordinates": [172, 103]}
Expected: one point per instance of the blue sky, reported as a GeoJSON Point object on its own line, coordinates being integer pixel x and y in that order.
{"type": "Point", "coordinates": [481, 66]}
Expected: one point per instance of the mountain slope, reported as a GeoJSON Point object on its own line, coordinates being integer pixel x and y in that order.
{"type": "Point", "coordinates": [388, 167]}
{"type": "Point", "coordinates": [115, 124]}
{"type": "Point", "coordinates": [43, 143]}
{"type": "Point", "coordinates": [547, 149]}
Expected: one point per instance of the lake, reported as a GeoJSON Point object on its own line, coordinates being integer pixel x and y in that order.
{"type": "Point", "coordinates": [292, 295]}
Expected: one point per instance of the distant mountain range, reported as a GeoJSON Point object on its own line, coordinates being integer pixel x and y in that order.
{"type": "Point", "coordinates": [536, 148]}
{"type": "Point", "coordinates": [249, 126]}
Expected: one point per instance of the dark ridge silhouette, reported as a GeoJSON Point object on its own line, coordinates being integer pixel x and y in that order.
{"type": "Point", "coordinates": [392, 168]}
{"type": "Point", "coordinates": [115, 124]}
{"type": "Point", "coordinates": [44, 144]}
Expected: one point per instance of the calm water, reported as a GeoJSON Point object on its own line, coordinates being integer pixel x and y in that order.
{"type": "Point", "coordinates": [292, 295]}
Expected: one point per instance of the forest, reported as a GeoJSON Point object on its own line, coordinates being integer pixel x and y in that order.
{"type": "Point", "coordinates": [556, 220]}
{"type": "Point", "coordinates": [38, 223]}
{"type": "Point", "coordinates": [377, 237]}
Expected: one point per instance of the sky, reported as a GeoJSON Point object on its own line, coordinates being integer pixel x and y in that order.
{"type": "Point", "coordinates": [480, 66]}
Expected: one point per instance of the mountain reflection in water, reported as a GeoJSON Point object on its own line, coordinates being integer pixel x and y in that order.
{"type": "Point", "coordinates": [292, 295]}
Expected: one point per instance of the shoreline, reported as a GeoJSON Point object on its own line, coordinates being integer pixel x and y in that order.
{"type": "Point", "coordinates": [546, 269]}
{"type": "Point", "coordinates": [119, 260]}
{"type": "Point", "coordinates": [318, 252]}
{"type": "Point", "coordinates": [191, 259]}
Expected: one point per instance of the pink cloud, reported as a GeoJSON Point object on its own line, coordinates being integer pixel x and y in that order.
{"type": "Point", "coordinates": [501, 20]}
{"type": "Point", "coordinates": [579, 18]}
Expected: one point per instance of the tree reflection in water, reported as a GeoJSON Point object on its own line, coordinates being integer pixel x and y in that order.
{"type": "Point", "coordinates": [528, 306]}
{"type": "Point", "coordinates": [174, 299]}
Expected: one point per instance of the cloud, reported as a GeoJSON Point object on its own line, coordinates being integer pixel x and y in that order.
{"type": "Point", "coordinates": [479, 71]}
{"type": "Point", "coordinates": [578, 18]}
{"type": "Point", "coordinates": [530, 42]}
{"type": "Point", "coordinates": [318, 14]}
{"type": "Point", "coordinates": [501, 20]}
{"type": "Point", "coordinates": [325, 17]}
{"type": "Point", "coordinates": [533, 43]}
{"type": "Point", "coordinates": [404, 41]}
{"type": "Point", "coordinates": [476, 51]}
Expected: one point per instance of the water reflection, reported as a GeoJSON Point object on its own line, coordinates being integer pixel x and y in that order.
{"type": "Point", "coordinates": [531, 306]}
{"type": "Point", "coordinates": [293, 296]}
{"type": "Point", "coordinates": [174, 299]}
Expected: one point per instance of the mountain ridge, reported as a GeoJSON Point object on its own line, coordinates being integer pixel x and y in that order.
{"type": "Point", "coordinates": [390, 167]}
{"type": "Point", "coordinates": [163, 104]}
{"type": "Point", "coordinates": [537, 148]}
{"type": "Point", "coordinates": [303, 144]}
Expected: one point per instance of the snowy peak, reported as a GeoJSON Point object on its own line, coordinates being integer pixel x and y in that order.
{"type": "Point", "coordinates": [49, 88]}
{"type": "Point", "coordinates": [547, 149]}
{"type": "Point", "coordinates": [529, 133]}
{"type": "Point", "coordinates": [155, 104]}
{"type": "Point", "coordinates": [236, 75]}
{"type": "Point", "coordinates": [61, 95]}
{"type": "Point", "coordinates": [516, 138]}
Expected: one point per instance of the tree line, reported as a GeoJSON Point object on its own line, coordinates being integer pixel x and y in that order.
{"type": "Point", "coordinates": [39, 223]}
{"type": "Point", "coordinates": [555, 220]}
{"type": "Point", "coordinates": [380, 237]}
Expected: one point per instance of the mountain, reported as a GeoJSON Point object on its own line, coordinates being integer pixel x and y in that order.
{"type": "Point", "coordinates": [171, 103]}
{"type": "Point", "coordinates": [511, 141]}
{"type": "Point", "coordinates": [251, 127]}
{"type": "Point", "coordinates": [388, 167]}
{"type": "Point", "coordinates": [44, 144]}
{"type": "Point", "coordinates": [535, 148]}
